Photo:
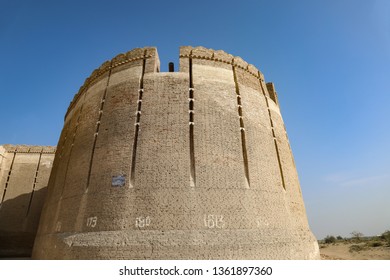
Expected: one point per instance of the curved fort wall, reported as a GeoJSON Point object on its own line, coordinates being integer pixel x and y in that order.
{"type": "Point", "coordinates": [24, 174]}
{"type": "Point", "coordinates": [193, 164]}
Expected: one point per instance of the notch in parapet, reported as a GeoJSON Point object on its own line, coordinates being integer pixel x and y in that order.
{"type": "Point", "coordinates": [171, 67]}
{"type": "Point", "coordinates": [272, 92]}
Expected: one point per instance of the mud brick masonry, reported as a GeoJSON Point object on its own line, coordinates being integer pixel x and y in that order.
{"type": "Point", "coordinates": [24, 173]}
{"type": "Point", "coordinates": [194, 164]}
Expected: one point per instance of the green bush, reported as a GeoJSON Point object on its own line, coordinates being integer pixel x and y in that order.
{"type": "Point", "coordinates": [386, 237]}
{"type": "Point", "coordinates": [330, 239]}
{"type": "Point", "coordinates": [339, 237]}
{"type": "Point", "coordinates": [375, 244]}
{"type": "Point", "coordinates": [355, 248]}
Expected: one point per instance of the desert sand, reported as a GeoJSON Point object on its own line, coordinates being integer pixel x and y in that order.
{"type": "Point", "coordinates": [353, 251]}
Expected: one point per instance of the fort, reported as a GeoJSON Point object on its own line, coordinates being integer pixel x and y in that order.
{"type": "Point", "coordinates": [194, 164]}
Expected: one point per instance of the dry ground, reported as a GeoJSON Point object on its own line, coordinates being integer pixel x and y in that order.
{"type": "Point", "coordinates": [353, 251]}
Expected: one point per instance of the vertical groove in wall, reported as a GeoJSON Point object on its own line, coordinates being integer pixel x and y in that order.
{"type": "Point", "coordinates": [8, 178]}
{"type": "Point", "coordinates": [191, 104]}
{"type": "Point", "coordinates": [273, 135]}
{"type": "Point", "coordinates": [95, 136]}
{"type": "Point", "coordinates": [242, 127]}
{"type": "Point", "coordinates": [34, 183]}
{"type": "Point", "coordinates": [71, 147]}
{"type": "Point", "coordinates": [137, 122]}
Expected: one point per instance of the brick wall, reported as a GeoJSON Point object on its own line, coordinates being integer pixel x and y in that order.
{"type": "Point", "coordinates": [24, 174]}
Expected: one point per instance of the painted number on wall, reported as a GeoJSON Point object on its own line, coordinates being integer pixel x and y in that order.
{"type": "Point", "coordinates": [261, 223]}
{"type": "Point", "coordinates": [91, 222]}
{"type": "Point", "coordinates": [214, 221]}
{"type": "Point", "coordinates": [141, 222]}
{"type": "Point", "coordinates": [58, 226]}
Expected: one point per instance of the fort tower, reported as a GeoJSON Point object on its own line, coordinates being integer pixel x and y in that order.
{"type": "Point", "coordinates": [194, 164]}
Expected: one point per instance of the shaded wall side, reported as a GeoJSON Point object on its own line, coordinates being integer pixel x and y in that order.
{"type": "Point", "coordinates": [6, 160]}
{"type": "Point", "coordinates": [60, 171]}
{"type": "Point", "coordinates": [37, 199]}
{"type": "Point", "coordinates": [20, 183]}
{"type": "Point", "coordinates": [26, 189]}
{"type": "Point", "coordinates": [77, 165]}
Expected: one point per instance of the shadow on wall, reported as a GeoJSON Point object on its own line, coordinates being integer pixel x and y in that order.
{"type": "Point", "coordinates": [19, 219]}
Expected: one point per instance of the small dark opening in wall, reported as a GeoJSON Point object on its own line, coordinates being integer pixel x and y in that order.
{"type": "Point", "coordinates": [171, 67]}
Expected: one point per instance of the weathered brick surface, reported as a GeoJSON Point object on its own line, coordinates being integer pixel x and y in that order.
{"type": "Point", "coordinates": [24, 174]}
{"type": "Point", "coordinates": [188, 165]}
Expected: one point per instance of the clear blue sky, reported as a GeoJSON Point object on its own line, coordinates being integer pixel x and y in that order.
{"type": "Point", "coordinates": [329, 60]}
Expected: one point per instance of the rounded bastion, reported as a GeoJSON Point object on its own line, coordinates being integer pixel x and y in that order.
{"type": "Point", "coordinates": [194, 164]}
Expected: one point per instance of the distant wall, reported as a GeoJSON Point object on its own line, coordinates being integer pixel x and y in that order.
{"type": "Point", "coordinates": [24, 174]}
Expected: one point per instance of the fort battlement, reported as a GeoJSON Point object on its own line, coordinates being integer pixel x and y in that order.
{"type": "Point", "coordinates": [219, 56]}
{"type": "Point", "coordinates": [136, 56]}
{"type": "Point", "coordinates": [128, 59]}
{"type": "Point", "coordinates": [9, 148]}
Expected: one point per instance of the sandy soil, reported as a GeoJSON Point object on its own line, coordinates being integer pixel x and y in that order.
{"type": "Point", "coordinates": [341, 251]}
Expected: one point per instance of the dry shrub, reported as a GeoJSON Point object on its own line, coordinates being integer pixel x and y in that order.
{"type": "Point", "coordinates": [356, 248]}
